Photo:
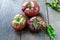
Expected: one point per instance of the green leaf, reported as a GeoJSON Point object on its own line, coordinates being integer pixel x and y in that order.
{"type": "Point", "coordinates": [58, 7]}
{"type": "Point", "coordinates": [56, 1]}
{"type": "Point", "coordinates": [51, 32]}
{"type": "Point", "coordinates": [54, 5]}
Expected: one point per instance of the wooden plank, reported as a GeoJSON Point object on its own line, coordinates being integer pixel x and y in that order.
{"type": "Point", "coordinates": [8, 9]}
{"type": "Point", "coordinates": [26, 35]}
{"type": "Point", "coordinates": [54, 20]}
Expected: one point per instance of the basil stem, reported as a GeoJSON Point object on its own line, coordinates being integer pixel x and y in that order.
{"type": "Point", "coordinates": [48, 4]}
{"type": "Point", "coordinates": [51, 32]}
{"type": "Point", "coordinates": [54, 5]}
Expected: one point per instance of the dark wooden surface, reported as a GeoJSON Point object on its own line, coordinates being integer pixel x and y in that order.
{"type": "Point", "coordinates": [9, 8]}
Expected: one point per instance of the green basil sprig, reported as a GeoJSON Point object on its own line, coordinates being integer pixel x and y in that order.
{"type": "Point", "coordinates": [54, 5]}
{"type": "Point", "coordinates": [51, 32]}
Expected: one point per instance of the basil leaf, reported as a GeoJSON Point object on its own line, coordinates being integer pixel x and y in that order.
{"type": "Point", "coordinates": [58, 7]}
{"type": "Point", "coordinates": [56, 1]}
{"type": "Point", "coordinates": [54, 5]}
{"type": "Point", "coordinates": [51, 32]}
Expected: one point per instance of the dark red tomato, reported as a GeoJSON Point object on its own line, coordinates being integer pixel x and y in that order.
{"type": "Point", "coordinates": [19, 22]}
{"type": "Point", "coordinates": [36, 24]}
{"type": "Point", "coordinates": [30, 8]}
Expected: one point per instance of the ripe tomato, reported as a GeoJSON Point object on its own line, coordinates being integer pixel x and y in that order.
{"type": "Point", "coordinates": [30, 8]}
{"type": "Point", "coordinates": [36, 24]}
{"type": "Point", "coordinates": [19, 22]}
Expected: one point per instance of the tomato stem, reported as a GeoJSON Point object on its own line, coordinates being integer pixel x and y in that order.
{"type": "Point", "coordinates": [29, 6]}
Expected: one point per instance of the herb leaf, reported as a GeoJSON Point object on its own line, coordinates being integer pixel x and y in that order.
{"type": "Point", "coordinates": [51, 32]}
{"type": "Point", "coordinates": [54, 5]}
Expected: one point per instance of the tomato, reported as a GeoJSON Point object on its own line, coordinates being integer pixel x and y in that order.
{"type": "Point", "coordinates": [36, 24]}
{"type": "Point", "coordinates": [19, 22]}
{"type": "Point", "coordinates": [30, 8]}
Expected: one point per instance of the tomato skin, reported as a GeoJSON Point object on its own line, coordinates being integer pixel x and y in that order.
{"type": "Point", "coordinates": [19, 26]}
{"type": "Point", "coordinates": [30, 8]}
{"type": "Point", "coordinates": [38, 28]}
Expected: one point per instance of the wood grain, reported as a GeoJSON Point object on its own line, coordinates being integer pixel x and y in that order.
{"type": "Point", "coordinates": [8, 9]}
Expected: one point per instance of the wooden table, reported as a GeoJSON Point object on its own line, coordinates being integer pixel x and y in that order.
{"type": "Point", "coordinates": [9, 8]}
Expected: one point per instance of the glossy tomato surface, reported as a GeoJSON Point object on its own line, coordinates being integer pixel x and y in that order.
{"type": "Point", "coordinates": [36, 24]}
{"type": "Point", "coordinates": [30, 8]}
{"type": "Point", "coordinates": [19, 22]}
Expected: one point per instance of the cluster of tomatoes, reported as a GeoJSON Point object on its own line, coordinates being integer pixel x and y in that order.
{"type": "Point", "coordinates": [34, 23]}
